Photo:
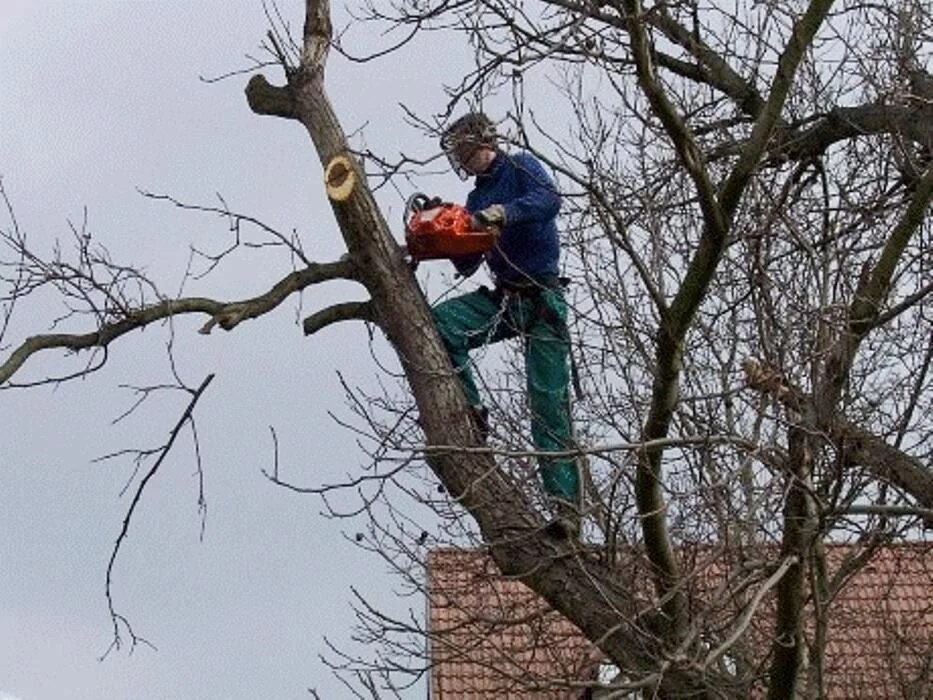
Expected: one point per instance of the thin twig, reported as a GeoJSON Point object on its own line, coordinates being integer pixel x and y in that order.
{"type": "Point", "coordinates": [114, 616]}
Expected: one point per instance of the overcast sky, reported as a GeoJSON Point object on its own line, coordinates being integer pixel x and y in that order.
{"type": "Point", "coordinates": [97, 99]}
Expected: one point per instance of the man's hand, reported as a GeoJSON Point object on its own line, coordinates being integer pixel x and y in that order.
{"type": "Point", "coordinates": [491, 216]}
{"type": "Point", "coordinates": [490, 219]}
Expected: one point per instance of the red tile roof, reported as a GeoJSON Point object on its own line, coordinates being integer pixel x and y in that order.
{"type": "Point", "coordinates": [881, 626]}
{"type": "Point", "coordinates": [492, 637]}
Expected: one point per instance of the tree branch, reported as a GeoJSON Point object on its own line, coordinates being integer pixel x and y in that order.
{"type": "Point", "coordinates": [691, 156]}
{"type": "Point", "coordinates": [349, 311]}
{"type": "Point", "coordinates": [745, 618]}
{"type": "Point", "coordinates": [887, 511]}
{"type": "Point", "coordinates": [115, 617]}
{"type": "Point", "coordinates": [861, 447]}
{"type": "Point", "coordinates": [867, 300]}
{"type": "Point", "coordinates": [713, 70]}
{"type": "Point", "coordinates": [801, 37]}
{"type": "Point", "coordinates": [913, 122]}
{"type": "Point", "coordinates": [787, 648]}
{"type": "Point", "coordinates": [718, 210]}
{"type": "Point", "coordinates": [225, 314]}
{"type": "Point", "coordinates": [648, 479]}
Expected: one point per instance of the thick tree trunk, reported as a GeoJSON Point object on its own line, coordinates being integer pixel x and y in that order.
{"type": "Point", "coordinates": [587, 591]}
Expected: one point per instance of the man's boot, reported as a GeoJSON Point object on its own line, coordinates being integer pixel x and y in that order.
{"type": "Point", "coordinates": [565, 523]}
{"type": "Point", "coordinates": [480, 416]}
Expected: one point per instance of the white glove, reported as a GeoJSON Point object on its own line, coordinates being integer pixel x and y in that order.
{"type": "Point", "coordinates": [491, 216]}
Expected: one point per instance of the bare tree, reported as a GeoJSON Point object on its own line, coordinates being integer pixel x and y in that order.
{"type": "Point", "coordinates": [746, 205]}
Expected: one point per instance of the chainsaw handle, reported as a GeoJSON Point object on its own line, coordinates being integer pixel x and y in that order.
{"type": "Point", "coordinates": [413, 204]}
{"type": "Point", "coordinates": [419, 201]}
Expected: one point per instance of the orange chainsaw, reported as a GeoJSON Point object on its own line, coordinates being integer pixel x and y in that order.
{"type": "Point", "coordinates": [436, 230]}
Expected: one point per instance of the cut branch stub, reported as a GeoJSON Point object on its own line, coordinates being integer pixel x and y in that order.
{"type": "Point", "coordinates": [340, 178]}
{"type": "Point", "coordinates": [265, 98]}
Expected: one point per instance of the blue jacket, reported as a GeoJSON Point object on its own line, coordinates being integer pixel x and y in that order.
{"type": "Point", "coordinates": [528, 248]}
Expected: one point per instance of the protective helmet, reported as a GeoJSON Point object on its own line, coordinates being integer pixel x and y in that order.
{"type": "Point", "coordinates": [461, 139]}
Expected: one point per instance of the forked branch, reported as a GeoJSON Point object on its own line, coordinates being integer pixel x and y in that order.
{"type": "Point", "coordinates": [116, 618]}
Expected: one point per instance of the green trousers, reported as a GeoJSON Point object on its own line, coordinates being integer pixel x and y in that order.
{"type": "Point", "coordinates": [483, 317]}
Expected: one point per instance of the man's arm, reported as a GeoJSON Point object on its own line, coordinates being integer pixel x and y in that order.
{"type": "Point", "coordinates": [540, 200]}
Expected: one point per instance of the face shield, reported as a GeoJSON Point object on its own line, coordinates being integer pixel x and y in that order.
{"type": "Point", "coordinates": [464, 139]}
{"type": "Point", "coordinates": [459, 152]}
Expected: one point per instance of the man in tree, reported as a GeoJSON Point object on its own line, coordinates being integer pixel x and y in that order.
{"type": "Point", "coordinates": [515, 198]}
